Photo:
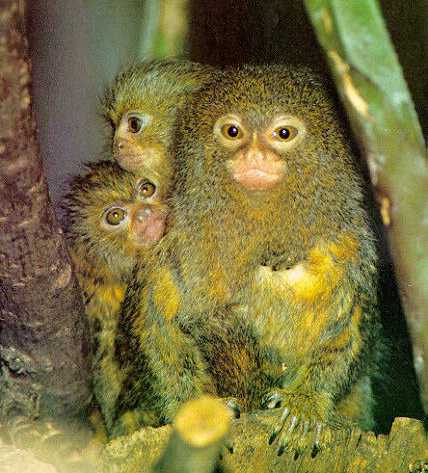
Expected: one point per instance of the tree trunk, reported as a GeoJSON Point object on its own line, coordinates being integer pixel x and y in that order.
{"type": "Point", "coordinates": [44, 369]}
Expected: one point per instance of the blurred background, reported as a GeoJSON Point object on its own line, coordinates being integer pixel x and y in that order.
{"type": "Point", "coordinates": [78, 46]}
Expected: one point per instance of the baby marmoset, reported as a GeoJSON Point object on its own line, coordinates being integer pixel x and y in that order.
{"type": "Point", "coordinates": [111, 215]}
{"type": "Point", "coordinates": [142, 105]}
{"type": "Point", "coordinates": [264, 176]}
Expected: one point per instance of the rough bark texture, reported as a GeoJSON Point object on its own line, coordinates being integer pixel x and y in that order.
{"type": "Point", "coordinates": [404, 450]}
{"type": "Point", "coordinates": [193, 446]}
{"type": "Point", "coordinates": [371, 85]}
{"type": "Point", "coordinates": [43, 353]}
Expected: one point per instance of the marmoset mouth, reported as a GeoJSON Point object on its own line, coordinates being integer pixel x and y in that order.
{"type": "Point", "coordinates": [129, 162]}
{"type": "Point", "coordinates": [138, 163]}
{"type": "Point", "coordinates": [257, 179]}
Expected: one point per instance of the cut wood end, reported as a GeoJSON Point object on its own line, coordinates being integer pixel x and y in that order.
{"type": "Point", "coordinates": [385, 211]}
{"type": "Point", "coordinates": [203, 422]}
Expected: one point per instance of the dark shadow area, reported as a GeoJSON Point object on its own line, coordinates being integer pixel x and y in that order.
{"type": "Point", "coordinates": [397, 392]}
{"type": "Point", "coordinates": [407, 25]}
{"type": "Point", "coordinates": [223, 33]}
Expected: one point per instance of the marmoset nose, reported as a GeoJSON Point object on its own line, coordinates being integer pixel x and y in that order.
{"type": "Point", "coordinates": [256, 152]}
{"type": "Point", "coordinates": [142, 214]}
{"type": "Point", "coordinates": [120, 144]}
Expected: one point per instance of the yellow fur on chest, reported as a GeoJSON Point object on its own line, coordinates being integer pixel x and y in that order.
{"type": "Point", "coordinates": [316, 277]}
{"type": "Point", "coordinates": [309, 297]}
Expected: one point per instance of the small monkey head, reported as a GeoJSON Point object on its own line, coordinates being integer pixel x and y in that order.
{"type": "Point", "coordinates": [137, 221]}
{"type": "Point", "coordinates": [263, 130]}
{"type": "Point", "coordinates": [113, 214]}
{"type": "Point", "coordinates": [142, 105]}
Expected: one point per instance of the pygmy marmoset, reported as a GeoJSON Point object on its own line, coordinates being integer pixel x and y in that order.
{"type": "Point", "coordinates": [111, 215]}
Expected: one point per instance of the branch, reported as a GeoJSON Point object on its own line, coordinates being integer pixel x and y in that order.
{"type": "Point", "coordinates": [195, 442]}
{"type": "Point", "coordinates": [164, 28]}
{"type": "Point", "coordinates": [372, 88]}
{"type": "Point", "coordinates": [43, 352]}
{"type": "Point", "coordinates": [405, 449]}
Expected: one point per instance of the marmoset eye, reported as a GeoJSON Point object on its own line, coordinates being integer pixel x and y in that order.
{"type": "Point", "coordinates": [231, 131]}
{"type": "Point", "coordinates": [147, 189]}
{"type": "Point", "coordinates": [115, 216]}
{"type": "Point", "coordinates": [135, 123]}
{"type": "Point", "coordinates": [285, 133]}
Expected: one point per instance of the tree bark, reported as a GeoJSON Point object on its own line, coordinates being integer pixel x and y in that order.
{"type": "Point", "coordinates": [405, 449]}
{"type": "Point", "coordinates": [373, 90]}
{"type": "Point", "coordinates": [44, 369]}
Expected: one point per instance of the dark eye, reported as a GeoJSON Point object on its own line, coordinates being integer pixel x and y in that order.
{"type": "Point", "coordinates": [231, 131]}
{"type": "Point", "coordinates": [115, 216]}
{"type": "Point", "coordinates": [135, 124]}
{"type": "Point", "coordinates": [147, 189]}
{"type": "Point", "coordinates": [285, 133]}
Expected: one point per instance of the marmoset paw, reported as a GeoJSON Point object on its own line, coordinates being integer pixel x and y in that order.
{"type": "Point", "coordinates": [303, 422]}
{"type": "Point", "coordinates": [235, 411]}
{"type": "Point", "coordinates": [227, 449]}
{"type": "Point", "coordinates": [233, 405]}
